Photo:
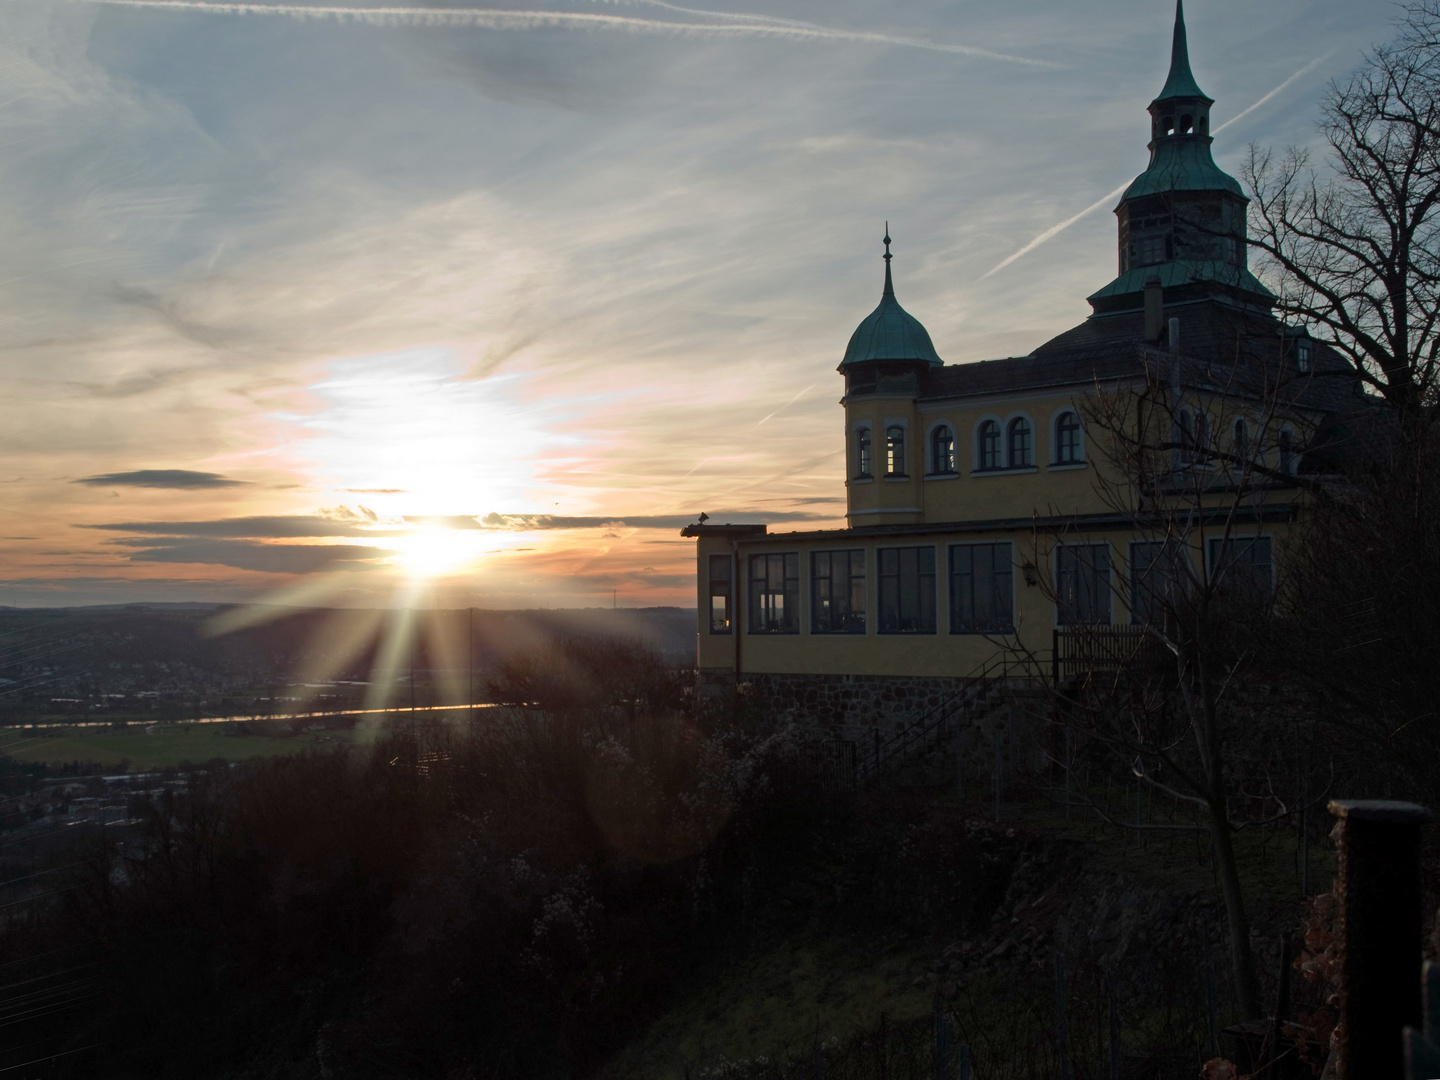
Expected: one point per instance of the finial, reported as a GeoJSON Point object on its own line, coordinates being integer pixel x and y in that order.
{"type": "Point", "coordinates": [1180, 82]}
{"type": "Point", "coordinates": [889, 287]}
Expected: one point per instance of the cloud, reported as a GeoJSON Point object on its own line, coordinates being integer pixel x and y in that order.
{"type": "Point", "coordinates": [540, 522]}
{"type": "Point", "coordinates": [161, 478]}
{"type": "Point", "coordinates": [500, 19]}
{"type": "Point", "coordinates": [275, 527]}
{"type": "Point", "coordinates": [249, 555]}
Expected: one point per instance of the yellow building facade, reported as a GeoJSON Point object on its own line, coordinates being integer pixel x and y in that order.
{"type": "Point", "coordinates": [997, 509]}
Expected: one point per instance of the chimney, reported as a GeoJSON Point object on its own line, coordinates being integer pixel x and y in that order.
{"type": "Point", "coordinates": [1154, 308]}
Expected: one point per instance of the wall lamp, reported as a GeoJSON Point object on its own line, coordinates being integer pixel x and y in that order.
{"type": "Point", "coordinates": [1029, 571]}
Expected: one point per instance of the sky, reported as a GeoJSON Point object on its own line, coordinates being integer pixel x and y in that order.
{"type": "Point", "coordinates": [462, 305]}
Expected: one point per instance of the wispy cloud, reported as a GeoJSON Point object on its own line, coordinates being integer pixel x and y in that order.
{"type": "Point", "coordinates": [501, 19]}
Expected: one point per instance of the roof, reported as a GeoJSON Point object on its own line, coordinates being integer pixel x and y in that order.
{"type": "Point", "coordinates": [890, 332]}
{"type": "Point", "coordinates": [1182, 163]}
{"type": "Point", "coordinates": [1180, 272]}
{"type": "Point", "coordinates": [1180, 82]}
{"type": "Point", "coordinates": [1223, 349]}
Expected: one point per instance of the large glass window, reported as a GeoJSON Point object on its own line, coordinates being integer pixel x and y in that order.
{"type": "Point", "coordinates": [895, 450]}
{"type": "Point", "coordinates": [1022, 443]}
{"type": "Point", "coordinates": [862, 452]}
{"type": "Point", "coordinates": [720, 586]}
{"type": "Point", "coordinates": [1082, 584]}
{"type": "Point", "coordinates": [775, 594]}
{"type": "Point", "coordinates": [988, 444]}
{"type": "Point", "coordinates": [1159, 579]}
{"type": "Point", "coordinates": [981, 589]}
{"type": "Point", "coordinates": [942, 450]}
{"type": "Point", "coordinates": [837, 592]}
{"type": "Point", "coordinates": [907, 590]}
{"type": "Point", "coordinates": [1067, 439]}
{"type": "Point", "coordinates": [1243, 565]}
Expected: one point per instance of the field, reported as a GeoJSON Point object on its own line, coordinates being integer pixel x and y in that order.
{"type": "Point", "coordinates": [171, 745]}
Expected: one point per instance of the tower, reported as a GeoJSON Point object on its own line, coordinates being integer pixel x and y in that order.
{"type": "Point", "coordinates": [1182, 220]}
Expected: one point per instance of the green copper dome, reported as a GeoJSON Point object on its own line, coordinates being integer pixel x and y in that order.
{"type": "Point", "coordinates": [890, 332]}
{"type": "Point", "coordinates": [1181, 164]}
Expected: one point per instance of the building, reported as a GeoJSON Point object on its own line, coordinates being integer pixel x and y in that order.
{"type": "Point", "coordinates": [1004, 516]}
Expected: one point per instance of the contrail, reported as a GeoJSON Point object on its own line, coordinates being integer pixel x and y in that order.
{"type": "Point", "coordinates": [1246, 112]}
{"type": "Point", "coordinates": [500, 19]}
{"type": "Point", "coordinates": [1048, 233]}
{"type": "Point", "coordinates": [787, 404]}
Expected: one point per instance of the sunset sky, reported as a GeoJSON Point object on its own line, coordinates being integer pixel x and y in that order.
{"type": "Point", "coordinates": [299, 301]}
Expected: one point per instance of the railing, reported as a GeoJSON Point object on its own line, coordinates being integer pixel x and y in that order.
{"type": "Point", "coordinates": [1079, 650]}
{"type": "Point", "coordinates": [950, 714]}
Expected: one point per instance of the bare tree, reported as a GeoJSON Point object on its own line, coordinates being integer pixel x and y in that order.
{"type": "Point", "coordinates": [1201, 466]}
{"type": "Point", "coordinates": [1355, 248]}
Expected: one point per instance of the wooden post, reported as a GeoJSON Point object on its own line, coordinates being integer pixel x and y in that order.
{"type": "Point", "coordinates": [964, 1061]}
{"type": "Point", "coordinates": [1114, 1026]}
{"type": "Point", "coordinates": [997, 773]}
{"type": "Point", "coordinates": [1210, 1011]}
{"type": "Point", "coordinates": [1377, 892]}
{"type": "Point", "coordinates": [1062, 1029]}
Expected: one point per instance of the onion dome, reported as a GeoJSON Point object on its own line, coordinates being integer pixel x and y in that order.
{"type": "Point", "coordinates": [890, 332]}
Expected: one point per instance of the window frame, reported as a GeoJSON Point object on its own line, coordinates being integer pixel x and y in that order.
{"type": "Point", "coordinates": [933, 459]}
{"type": "Point", "coordinates": [958, 626]}
{"type": "Point", "coordinates": [980, 453]}
{"type": "Point", "coordinates": [1179, 557]}
{"type": "Point", "coordinates": [881, 578]}
{"type": "Point", "coordinates": [864, 446]}
{"type": "Point", "coordinates": [755, 597]}
{"type": "Point", "coordinates": [863, 626]}
{"type": "Point", "coordinates": [1011, 425]}
{"type": "Point", "coordinates": [729, 622]}
{"type": "Point", "coordinates": [1056, 457]}
{"type": "Point", "coordinates": [1106, 591]}
{"type": "Point", "coordinates": [1215, 545]}
{"type": "Point", "coordinates": [891, 456]}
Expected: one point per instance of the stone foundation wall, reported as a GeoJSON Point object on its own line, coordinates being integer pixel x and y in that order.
{"type": "Point", "coordinates": [849, 706]}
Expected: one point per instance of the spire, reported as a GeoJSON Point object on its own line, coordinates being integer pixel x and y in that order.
{"type": "Point", "coordinates": [889, 285]}
{"type": "Point", "coordinates": [1180, 82]}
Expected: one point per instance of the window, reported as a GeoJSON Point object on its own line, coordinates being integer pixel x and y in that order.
{"type": "Point", "coordinates": [1287, 452]}
{"type": "Point", "coordinates": [894, 450]}
{"type": "Point", "coordinates": [981, 589]}
{"type": "Point", "coordinates": [837, 592]}
{"type": "Point", "coordinates": [1082, 584]}
{"type": "Point", "coordinates": [1304, 353]}
{"type": "Point", "coordinates": [907, 590]}
{"type": "Point", "coordinates": [988, 445]}
{"type": "Point", "coordinates": [1151, 249]}
{"type": "Point", "coordinates": [1158, 581]}
{"type": "Point", "coordinates": [862, 452]}
{"type": "Point", "coordinates": [1241, 445]}
{"type": "Point", "coordinates": [1243, 566]}
{"type": "Point", "coordinates": [1067, 439]}
{"type": "Point", "coordinates": [942, 450]}
{"type": "Point", "coordinates": [720, 594]}
{"type": "Point", "coordinates": [1021, 443]}
{"type": "Point", "coordinates": [1193, 435]}
{"type": "Point", "coordinates": [775, 594]}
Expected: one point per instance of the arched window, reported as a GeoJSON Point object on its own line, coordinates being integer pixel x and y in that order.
{"type": "Point", "coordinates": [942, 449]}
{"type": "Point", "coordinates": [1287, 452]}
{"type": "Point", "coordinates": [988, 444]}
{"type": "Point", "coordinates": [1067, 439]}
{"type": "Point", "coordinates": [895, 450]}
{"type": "Point", "coordinates": [862, 453]}
{"type": "Point", "coordinates": [1021, 443]}
{"type": "Point", "coordinates": [1241, 444]}
{"type": "Point", "coordinates": [1167, 125]}
{"type": "Point", "coordinates": [1187, 124]}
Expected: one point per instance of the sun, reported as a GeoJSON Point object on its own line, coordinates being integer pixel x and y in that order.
{"type": "Point", "coordinates": [435, 551]}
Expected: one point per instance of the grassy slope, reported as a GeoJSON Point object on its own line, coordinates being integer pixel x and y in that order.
{"type": "Point", "coordinates": [172, 745]}
{"type": "Point", "coordinates": [772, 999]}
